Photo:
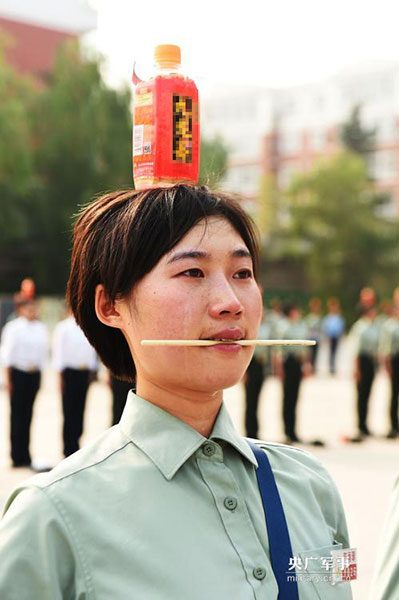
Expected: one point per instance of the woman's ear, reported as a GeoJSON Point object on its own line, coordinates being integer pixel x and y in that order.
{"type": "Point", "coordinates": [105, 309]}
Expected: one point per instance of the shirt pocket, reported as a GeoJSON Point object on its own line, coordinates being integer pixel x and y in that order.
{"type": "Point", "coordinates": [316, 571]}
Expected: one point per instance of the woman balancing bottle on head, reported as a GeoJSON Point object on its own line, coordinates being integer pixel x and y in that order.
{"type": "Point", "coordinates": [165, 124]}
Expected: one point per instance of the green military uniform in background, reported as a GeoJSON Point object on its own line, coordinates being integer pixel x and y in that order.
{"type": "Point", "coordinates": [292, 359]}
{"type": "Point", "coordinates": [389, 350]}
{"type": "Point", "coordinates": [366, 335]}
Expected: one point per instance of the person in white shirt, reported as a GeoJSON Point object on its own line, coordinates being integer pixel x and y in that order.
{"type": "Point", "coordinates": [23, 354]}
{"type": "Point", "coordinates": [76, 361]}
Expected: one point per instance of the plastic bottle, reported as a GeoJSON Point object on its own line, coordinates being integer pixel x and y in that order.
{"type": "Point", "coordinates": [165, 124]}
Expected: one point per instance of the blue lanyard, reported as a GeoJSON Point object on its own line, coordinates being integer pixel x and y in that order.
{"type": "Point", "coordinates": [277, 528]}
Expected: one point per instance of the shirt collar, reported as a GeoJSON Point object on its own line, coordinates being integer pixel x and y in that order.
{"type": "Point", "coordinates": [169, 442]}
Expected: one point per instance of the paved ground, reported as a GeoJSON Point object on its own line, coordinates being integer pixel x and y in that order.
{"type": "Point", "coordinates": [364, 473]}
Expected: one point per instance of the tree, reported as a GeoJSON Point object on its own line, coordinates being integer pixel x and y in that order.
{"type": "Point", "coordinates": [81, 131]}
{"type": "Point", "coordinates": [213, 161]}
{"type": "Point", "coordinates": [336, 229]}
{"type": "Point", "coordinates": [355, 137]}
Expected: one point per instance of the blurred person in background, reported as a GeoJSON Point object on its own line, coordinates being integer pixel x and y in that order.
{"type": "Point", "coordinates": [389, 351]}
{"type": "Point", "coordinates": [291, 363]}
{"type": "Point", "coordinates": [314, 320]}
{"type": "Point", "coordinates": [384, 313]}
{"type": "Point", "coordinates": [367, 298]}
{"type": "Point", "coordinates": [333, 326]}
{"type": "Point", "coordinates": [119, 391]}
{"type": "Point", "coordinates": [275, 317]}
{"type": "Point", "coordinates": [23, 354]}
{"type": "Point", "coordinates": [395, 297]}
{"type": "Point", "coordinates": [26, 292]}
{"type": "Point", "coordinates": [254, 378]}
{"type": "Point", "coordinates": [365, 334]}
{"type": "Point", "coordinates": [77, 364]}
{"type": "Point", "coordinates": [28, 289]}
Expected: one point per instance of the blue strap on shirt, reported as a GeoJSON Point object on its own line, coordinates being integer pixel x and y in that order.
{"type": "Point", "coordinates": [277, 528]}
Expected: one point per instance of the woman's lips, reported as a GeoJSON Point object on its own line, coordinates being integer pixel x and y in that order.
{"type": "Point", "coordinates": [225, 348]}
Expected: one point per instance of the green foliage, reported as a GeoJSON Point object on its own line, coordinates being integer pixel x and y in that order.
{"type": "Point", "coordinates": [355, 137]}
{"type": "Point", "coordinates": [213, 161]}
{"type": "Point", "coordinates": [336, 229]}
{"type": "Point", "coordinates": [62, 144]}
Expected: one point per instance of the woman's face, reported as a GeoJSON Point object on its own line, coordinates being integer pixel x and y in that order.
{"type": "Point", "coordinates": [204, 288]}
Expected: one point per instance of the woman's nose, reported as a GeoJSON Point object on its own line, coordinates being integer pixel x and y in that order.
{"type": "Point", "coordinates": [224, 300]}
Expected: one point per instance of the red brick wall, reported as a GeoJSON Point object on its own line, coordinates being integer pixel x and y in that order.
{"type": "Point", "coordinates": [32, 48]}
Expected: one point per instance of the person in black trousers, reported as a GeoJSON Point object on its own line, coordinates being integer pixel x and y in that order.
{"type": "Point", "coordinates": [390, 355]}
{"type": "Point", "coordinates": [76, 361]}
{"type": "Point", "coordinates": [253, 385]}
{"type": "Point", "coordinates": [253, 380]}
{"type": "Point", "coordinates": [75, 384]}
{"type": "Point", "coordinates": [291, 362]}
{"type": "Point", "coordinates": [23, 353]}
{"type": "Point", "coordinates": [366, 335]}
{"type": "Point", "coordinates": [24, 388]}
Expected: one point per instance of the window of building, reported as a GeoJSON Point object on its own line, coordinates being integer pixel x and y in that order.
{"type": "Point", "coordinates": [289, 142]}
{"type": "Point", "coordinates": [387, 130]}
{"type": "Point", "coordinates": [385, 164]}
{"type": "Point", "coordinates": [243, 180]}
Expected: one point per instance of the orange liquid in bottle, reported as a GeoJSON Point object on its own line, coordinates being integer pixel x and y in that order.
{"type": "Point", "coordinates": [166, 126]}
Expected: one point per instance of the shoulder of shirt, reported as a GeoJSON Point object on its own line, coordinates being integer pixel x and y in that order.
{"type": "Point", "coordinates": [296, 459]}
{"type": "Point", "coordinates": [108, 444]}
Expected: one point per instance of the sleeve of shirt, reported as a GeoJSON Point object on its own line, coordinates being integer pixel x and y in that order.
{"type": "Point", "coordinates": [329, 499]}
{"type": "Point", "coordinates": [354, 336]}
{"type": "Point", "coordinates": [338, 518]}
{"type": "Point", "coordinates": [384, 346]}
{"type": "Point", "coordinates": [36, 552]}
{"type": "Point", "coordinates": [7, 343]}
{"type": "Point", "coordinates": [386, 577]}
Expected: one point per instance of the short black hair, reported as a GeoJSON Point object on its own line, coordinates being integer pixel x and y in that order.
{"type": "Point", "coordinates": [121, 236]}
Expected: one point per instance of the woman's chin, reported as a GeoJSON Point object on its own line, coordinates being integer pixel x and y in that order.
{"type": "Point", "coordinates": [216, 382]}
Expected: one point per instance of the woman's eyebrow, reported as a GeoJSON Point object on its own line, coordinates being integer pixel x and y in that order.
{"type": "Point", "coordinates": [238, 253]}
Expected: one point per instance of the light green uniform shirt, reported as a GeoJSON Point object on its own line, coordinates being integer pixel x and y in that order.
{"type": "Point", "coordinates": [294, 330]}
{"type": "Point", "coordinates": [314, 325]}
{"type": "Point", "coordinates": [153, 510]}
{"type": "Point", "coordinates": [389, 340]}
{"type": "Point", "coordinates": [264, 333]}
{"type": "Point", "coordinates": [366, 337]}
{"type": "Point", "coordinates": [386, 578]}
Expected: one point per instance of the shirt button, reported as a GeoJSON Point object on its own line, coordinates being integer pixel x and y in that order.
{"type": "Point", "coordinates": [259, 573]}
{"type": "Point", "coordinates": [230, 503]}
{"type": "Point", "coordinates": [208, 449]}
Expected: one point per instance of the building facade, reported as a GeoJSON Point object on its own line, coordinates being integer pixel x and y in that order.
{"type": "Point", "coordinates": [34, 30]}
{"type": "Point", "coordinates": [284, 132]}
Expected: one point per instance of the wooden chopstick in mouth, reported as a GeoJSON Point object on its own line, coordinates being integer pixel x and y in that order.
{"type": "Point", "coordinates": [239, 342]}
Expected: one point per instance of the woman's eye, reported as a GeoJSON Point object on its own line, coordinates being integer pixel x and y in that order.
{"type": "Point", "coordinates": [193, 273]}
{"type": "Point", "coordinates": [243, 274]}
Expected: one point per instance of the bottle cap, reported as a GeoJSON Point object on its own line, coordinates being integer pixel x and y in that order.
{"type": "Point", "coordinates": [167, 54]}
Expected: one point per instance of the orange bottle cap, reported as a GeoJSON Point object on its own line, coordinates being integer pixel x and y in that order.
{"type": "Point", "coordinates": [167, 54]}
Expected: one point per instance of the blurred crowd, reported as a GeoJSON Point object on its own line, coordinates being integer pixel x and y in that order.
{"type": "Point", "coordinates": [375, 340]}
{"type": "Point", "coordinates": [25, 343]}
{"type": "Point", "coordinates": [24, 350]}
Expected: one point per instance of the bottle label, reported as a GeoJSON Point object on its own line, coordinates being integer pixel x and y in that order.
{"type": "Point", "coordinates": [143, 130]}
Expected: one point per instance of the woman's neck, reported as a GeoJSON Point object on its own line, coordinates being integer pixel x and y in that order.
{"type": "Point", "coordinates": [197, 409]}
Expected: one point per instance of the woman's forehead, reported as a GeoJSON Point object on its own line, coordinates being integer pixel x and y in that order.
{"type": "Point", "coordinates": [212, 231]}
